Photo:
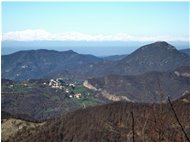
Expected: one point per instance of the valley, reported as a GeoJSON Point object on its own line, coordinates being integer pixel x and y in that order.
{"type": "Point", "coordinates": [148, 87]}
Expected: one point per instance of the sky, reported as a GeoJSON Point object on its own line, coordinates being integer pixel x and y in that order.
{"type": "Point", "coordinates": [120, 23]}
{"type": "Point", "coordinates": [95, 20]}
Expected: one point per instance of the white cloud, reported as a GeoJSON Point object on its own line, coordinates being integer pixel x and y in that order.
{"type": "Point", "coordinates": [40, 34]}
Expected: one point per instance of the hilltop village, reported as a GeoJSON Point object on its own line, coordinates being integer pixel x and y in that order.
{"type": "Point", "coordinates": [68, 88]}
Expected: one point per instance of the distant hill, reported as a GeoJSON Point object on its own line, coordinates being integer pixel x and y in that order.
{"type": "Point", "coordinates": [38, 63]}
{"type": "Point", "coordinates": [158, 56]}
{"type": "Point", "coordinates": [186, 51]}
{"type": "Point", "coordinates": [113, 123]}
{"type": "Point", "coordinates": [149, 87]}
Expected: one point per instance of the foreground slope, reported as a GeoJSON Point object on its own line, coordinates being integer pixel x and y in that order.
{"type": "Point", "coordinates": [13, 126]}
{"type": "Point", "coordinates": [113, 123]}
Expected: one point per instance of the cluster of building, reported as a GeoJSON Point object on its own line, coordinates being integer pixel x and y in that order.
{"type": "Point", "coordinates": [77, 95]}
{"type": "Point", "coordinates": [59, 83]}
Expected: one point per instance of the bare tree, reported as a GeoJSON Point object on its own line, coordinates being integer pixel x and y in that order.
{"type": "Point", "coordinates": [133, 126]}
{"type": "Point", "coordinates": [175, 114]}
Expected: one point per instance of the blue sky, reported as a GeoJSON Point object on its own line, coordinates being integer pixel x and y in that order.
{"type": "Point", "coordinates": [132, 18]}
{"type": "Point", "coordinates": [100, 28]}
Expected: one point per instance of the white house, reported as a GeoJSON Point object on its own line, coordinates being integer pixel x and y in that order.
{"type": "Point", "coordinates": [78, 95]}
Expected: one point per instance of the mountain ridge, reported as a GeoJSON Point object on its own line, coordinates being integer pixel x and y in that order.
{"type": "Point", "coordinates": [37, 63]}
{"type": "Point", "coordinates": [186, 51]}
{"type": "Point", "coordinates": [158, 56]}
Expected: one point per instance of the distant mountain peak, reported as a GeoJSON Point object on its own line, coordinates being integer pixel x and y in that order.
{"type": "Point", "coordinates": [158, 56]}
{"type": "Point", "coordinates": [70, 52]}
{"type": "Point", "coordinates": [161, 43]}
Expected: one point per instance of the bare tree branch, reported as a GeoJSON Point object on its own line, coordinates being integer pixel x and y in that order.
{"type": "Point", "coordinates": [133, 126]}
{"type": "Point", "coordinates": [178, 120]}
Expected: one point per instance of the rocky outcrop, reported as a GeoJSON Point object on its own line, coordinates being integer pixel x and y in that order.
{"type": "Point", "coordinates": [185, 74]}
{"type": "Point", "coordinates": [112, 97]}
{"type": "Point", "coordinates": [89, 86]}
{"type": "Point", "coordinates": [104, 93]}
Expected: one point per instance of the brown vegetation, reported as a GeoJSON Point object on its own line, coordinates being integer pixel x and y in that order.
{"type": "Point", "coordinates": [113, 123]}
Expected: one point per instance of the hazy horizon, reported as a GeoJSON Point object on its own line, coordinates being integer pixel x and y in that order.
{"type": "Point", "coordinates": [104, 48]}
{"type": "Point", "coordinates": [98, 28]}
